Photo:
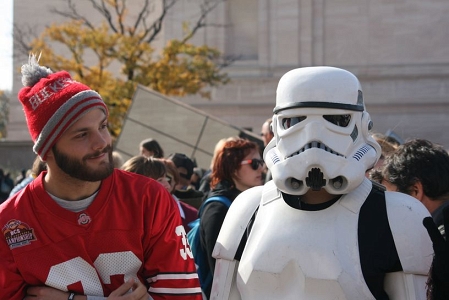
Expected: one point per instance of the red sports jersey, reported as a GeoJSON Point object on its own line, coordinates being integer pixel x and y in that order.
{"type": "Point", "coordinates": [131, 229]}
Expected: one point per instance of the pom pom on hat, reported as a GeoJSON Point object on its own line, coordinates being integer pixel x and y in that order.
{"type": "Point", "coordinates": [52, 102]}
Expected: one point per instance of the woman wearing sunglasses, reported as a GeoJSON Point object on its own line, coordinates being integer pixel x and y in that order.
{"type": "Point", "coordinates": [236, 168]}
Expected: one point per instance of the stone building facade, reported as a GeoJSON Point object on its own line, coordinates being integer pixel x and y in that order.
{"type": "Point", "coordinates": [399, 49]}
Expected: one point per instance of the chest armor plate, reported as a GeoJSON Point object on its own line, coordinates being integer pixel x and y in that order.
{"type": "Point", "coordinates": [295, 254]}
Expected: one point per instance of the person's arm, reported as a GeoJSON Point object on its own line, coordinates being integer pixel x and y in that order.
{"type": "Point", "coordinates": [130, 290]}
{"type": "Point", "coordinates": [12, 284]}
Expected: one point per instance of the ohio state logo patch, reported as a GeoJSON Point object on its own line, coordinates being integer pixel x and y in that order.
{"type": "Point", "coordinates": [83, 219]}
{"type": "Point", "coordinates": [18, 234]}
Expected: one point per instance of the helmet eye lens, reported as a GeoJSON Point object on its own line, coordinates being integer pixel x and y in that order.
{"type": "Point", "coordinates": [289, 122]}
{"type": "Point", "coordinates": [339, 120]}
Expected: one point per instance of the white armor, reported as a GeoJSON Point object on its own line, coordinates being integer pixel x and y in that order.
{"type": "Point", "coordinates": [295, 254]}
{"type": "Point", "coordinates": [321, 141]}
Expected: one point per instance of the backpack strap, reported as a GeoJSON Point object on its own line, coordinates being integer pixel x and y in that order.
{"type": "Point", "coordinates": [221, 199]}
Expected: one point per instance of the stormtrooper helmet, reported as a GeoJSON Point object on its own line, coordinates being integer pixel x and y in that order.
{"type": "Point", "coordinates": [321, 132]}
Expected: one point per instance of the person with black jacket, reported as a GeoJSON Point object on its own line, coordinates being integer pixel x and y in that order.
{"type": "Point", "coordinates": [420, 169]}
{"type": "Point", "coordinates": [236, 168]}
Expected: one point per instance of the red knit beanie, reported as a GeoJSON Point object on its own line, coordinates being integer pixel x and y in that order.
{"type": "Point", "coordinates": [52, 102]}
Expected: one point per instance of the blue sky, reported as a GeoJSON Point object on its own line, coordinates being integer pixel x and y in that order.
{"type": "Point", "coordinates": [6, 20]}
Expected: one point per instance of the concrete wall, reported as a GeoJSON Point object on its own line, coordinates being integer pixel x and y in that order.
{"type": "Point", "coordinates": [398, 49]}
{"type": "Point", "coordinates": [16, 155]}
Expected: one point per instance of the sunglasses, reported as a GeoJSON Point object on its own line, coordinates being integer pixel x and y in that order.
{"type": "Point", "coordinates": [254, 163]}
{"type": "Point", "coordinates": [184, 175]}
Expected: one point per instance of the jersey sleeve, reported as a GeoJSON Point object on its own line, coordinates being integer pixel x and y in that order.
{"type": "Point", "coordinates": [12, 284]}
{"type": "Point", "coordinates": [169, 267]}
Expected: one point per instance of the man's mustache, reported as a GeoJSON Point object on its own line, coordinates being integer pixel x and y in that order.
{"type": "Point", "coordinates": [106, 149]}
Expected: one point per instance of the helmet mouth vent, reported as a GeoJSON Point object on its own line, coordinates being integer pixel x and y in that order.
{"type": "Point", "coordinates": [315, 179]}
{"type": "Point", "coordinates": [316, 145]}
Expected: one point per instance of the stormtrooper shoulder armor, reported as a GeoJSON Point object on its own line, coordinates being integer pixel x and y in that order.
{"type": "Point", "coordinates": [405, 215]}
{"type": "Point", "coordinates": [236, 222]}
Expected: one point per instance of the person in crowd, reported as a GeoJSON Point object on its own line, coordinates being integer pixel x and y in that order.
{"type": "Point", "coordinates": [117, 159]}
{"type": "Point", "coordinates": [23, 174]}
{"type": "Point", "coordinates": [388, 145]}
{"type": "Point", "coordinates": [197, 175]}
{"type": "Point", "coordinates": [266, 132]}
{"type": "Point", "coordinates": [83, 229]}
{"type": "Point", "coordinates": [267, 135]}
{"type": "Point", "coordinates": [37, 168]}
{"type": "Point", "coordinates": [237, 167]}
{"type": "Point", "coordinates": [320, 229]}
{"type": "Point", "coordinates": [390, 137]}
{"type": "Point", "coordinates": [165, 172]}
{"type": "Point", "coordinates": [205, 181]}
{"type": "Point", "coordinates": [151, 148]}
{"type": "Point", "coordinates": [6, 185]}
{"type": "Point", "coordinates": [149, 167]}
{"type": "Point", "coordinates": [185, 168]}
{"type": "Point", "coordinates": [185, 191]}
{"type": "Point", "coordinates": [420, 168]}
{"type": "Point", "coordinates": [188, 212]}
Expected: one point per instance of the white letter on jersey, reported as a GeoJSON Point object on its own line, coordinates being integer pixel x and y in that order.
{"type": "Point", "coordinates": [180, 231]}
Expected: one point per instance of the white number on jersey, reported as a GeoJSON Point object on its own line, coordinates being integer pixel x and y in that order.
{"type": "Point", "coordinates": [180, 231]}
{"type": "Point", "coordinates": [78, 270]}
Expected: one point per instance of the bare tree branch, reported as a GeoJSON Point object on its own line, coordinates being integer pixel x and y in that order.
{"type": "Point", "coordinates": [206, 8]}
{"type": "Point", "coordinates": [142, 15]}
{"type": "Point", "coordinates": [105, 13]}
{"type": "Point", "coordinates": [156, 27]}
{"type": "Point", "coordinates": [120, 14]}
{"type": "Point", "coordinates": [228, 60]}
{"type": "Point", "coordinates": [22, 36]}
{"type": "Point", "coordinates": [72, 14]}
{"type": "Point", "coordinates": [150, 30]}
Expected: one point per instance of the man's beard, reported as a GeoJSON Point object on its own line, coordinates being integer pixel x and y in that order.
{"type": "Point", "coordinates": [79, 169]}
